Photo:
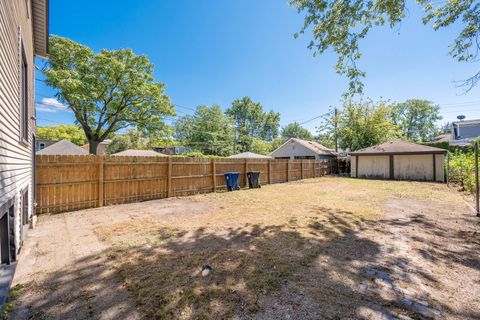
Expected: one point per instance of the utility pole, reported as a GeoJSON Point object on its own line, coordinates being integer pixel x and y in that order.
{"type": "Point", "coordinates": [335, 130]}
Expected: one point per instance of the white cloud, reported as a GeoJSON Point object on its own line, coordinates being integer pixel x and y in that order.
{"type": "Point", "coordinates": [45, 109]}
{"type": "Point", "coordinates": [52, 102]}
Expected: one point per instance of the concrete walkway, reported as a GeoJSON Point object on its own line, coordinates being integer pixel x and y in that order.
{"type": "Point", "coordinates": [6, 276]}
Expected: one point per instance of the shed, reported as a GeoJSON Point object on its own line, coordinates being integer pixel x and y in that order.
{"type": "Point", "coordinates": [63, 147]}
{"type": "Point", "coordinates": [250, 155]}
{"type": "Point", "coordinates": [139, 153]}
{"type": "Point", "coordinates": [295, 148]}
{"type": "Point", "coordinates": [399, 160]}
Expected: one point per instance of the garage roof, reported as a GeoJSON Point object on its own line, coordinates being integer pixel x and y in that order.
{"type": "Point", "coordinates": [250, 155]}
{"type": "Point", "coordinates": [398, 147]}
{"type": "Point", "coordinates": [63, 147]}
{"type": "Point", "coordinates": [139, 153]}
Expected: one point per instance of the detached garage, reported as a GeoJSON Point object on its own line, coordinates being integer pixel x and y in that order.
{"type": "Point", "coordinates": [399, 160]}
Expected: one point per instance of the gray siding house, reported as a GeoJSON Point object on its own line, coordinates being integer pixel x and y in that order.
{"type": "Point", "coordinates": [463, 132]}
{"type": "Point", "coordinates": [23, 35]}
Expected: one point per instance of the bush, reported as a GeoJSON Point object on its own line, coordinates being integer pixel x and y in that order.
{"type": "Point", "coordinates": [462, 169]}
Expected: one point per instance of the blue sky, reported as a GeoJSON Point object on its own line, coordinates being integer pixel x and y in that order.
{"type": "Point", "coordinates": [215, 51]}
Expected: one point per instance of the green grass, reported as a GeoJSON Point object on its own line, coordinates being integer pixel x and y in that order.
{"type": "Point", "coordinates": [9, 305]}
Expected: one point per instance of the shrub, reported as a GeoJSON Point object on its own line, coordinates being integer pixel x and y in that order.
{"type": "Point", "coordinates": [462, 169]}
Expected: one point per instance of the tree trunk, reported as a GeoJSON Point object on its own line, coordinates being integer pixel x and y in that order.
{"type": "Point", "coordinates": [93, 146]}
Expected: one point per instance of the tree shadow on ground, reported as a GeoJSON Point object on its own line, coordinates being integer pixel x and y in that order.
{"type": "Point", "coordinates": [321, 266]}
{"type": "Point", "coordinates": [87, 289]}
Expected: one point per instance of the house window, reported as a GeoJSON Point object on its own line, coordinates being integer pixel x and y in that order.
{"type": "Point", "coordinates": [41, 146]}
{"type": "Point", "coordinates": [305, 157]}
{"type": "Point", "coordinates": [24, 98]}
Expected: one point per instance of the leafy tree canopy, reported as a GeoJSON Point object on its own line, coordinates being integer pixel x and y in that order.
{"type": "Point", "coordinates": [361, 124]}
{"type": "Point", "coordinates": [340, 25]}
{"type": "Point", "coordinates": [70, 132]}
{"type": "Point", "coordinates": [107, 91]}
{"type": "Point", "coordinates": [133, 139]}
{"type": "Point", "coordinates": [295, 130]}
{"type": "Point", "coordinates": [208, 130]}
{"type": "Point", "coordinates": [251, 122]}
{"type": "Point", "coordinates": [417, 119]}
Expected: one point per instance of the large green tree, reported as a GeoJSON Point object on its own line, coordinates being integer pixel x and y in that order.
{"type": "Point", "coordinates": [339, 25]}
{"type": "Point", "coordinates": [295, 130]}
{"type": "Point", "coordinates": [361, 124]}
{"type": "Point", "coordinates": [251, 122]}
{"type": "Point", "coordinates": [132, 139]}
{"type": "Point", "coordinates": [417, 119]}
{"type": "Point", "coordinates": [107, 91]}
{"type": "Point", "coordinates": [208, 130]}
{"type": "Point", "coordinates": [70, 132]}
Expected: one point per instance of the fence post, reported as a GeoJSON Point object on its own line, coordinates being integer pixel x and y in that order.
{"type": "Point", "coordinates": [477, 191]}
{"type": "Point", "coordinates": [100, 181]}
{"type": "Point", "coordinates": [214, 175]}
{"type": "Point", "coordinates": [269, 171]}
{"type": "Point", "coordinates": [288, 170]}
{"type": "Point", "coordinates": [448, 170]}
{"type": "Point", "coordinates": [169, 179]}
{"type": "Point", "coordinates": [314, 162]}
{"type": "Point", "coordinates": [301, 172]}
{"type": "Point", "coordinates": [246, 170]}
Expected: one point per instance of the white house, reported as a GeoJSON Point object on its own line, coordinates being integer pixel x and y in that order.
{"type": "Point", "coordinates": [23, 35]}
{"type": "Point", "coordinates": [301, 149]}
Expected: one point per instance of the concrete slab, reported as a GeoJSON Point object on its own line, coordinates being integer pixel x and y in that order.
{"type": "Point", "coordinates": [6, 277]}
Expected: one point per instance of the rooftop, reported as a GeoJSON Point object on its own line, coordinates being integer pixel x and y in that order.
{"type": "Point", "coordinates": [396, 147]}
{"type": "Point", "coordinates": [250, 155]}
{"type": "Point", "coordinates": [467, 122]}
{"type": "Point", "coordinates": [63, 147]}
{"type": "Point", "coordinates": [312, 145]}
{"type": "Point", "coordinates": [139, 153]}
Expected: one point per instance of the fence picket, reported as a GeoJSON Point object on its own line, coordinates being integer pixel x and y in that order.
{"type": "Point", "coordinates": [78, 182]}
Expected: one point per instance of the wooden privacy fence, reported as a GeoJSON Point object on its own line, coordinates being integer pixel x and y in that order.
{"type": "Point", "coordinates": [66, 183]}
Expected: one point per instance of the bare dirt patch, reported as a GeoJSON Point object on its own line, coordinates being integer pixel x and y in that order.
{"type": "Point", "coordinates": [329, 248]}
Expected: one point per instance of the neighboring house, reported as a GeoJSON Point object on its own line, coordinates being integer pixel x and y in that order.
{"type": "Point", "coordinates": [399, 160]}
{"type": "Point", "coordinates": [172, 150]}
{"type": "Point", "coordinates": [463, 132]}
{"type": "Point", "coordinates": [250, 155]}
{"type": "Point", "coordinates": [63, 148]}
{"type": "Point", "coordinates": [23, 35]}
{"type": "Point", "coordinates": [42, 144]}
{"type": "Point", "coordinates": [443, 138]}
{"type": "Point", "coordinates": [139, 153]}
{"type": "Point", "coordinates": [101, 148]}
{"type": "Point", "coordinates": [301, 149]}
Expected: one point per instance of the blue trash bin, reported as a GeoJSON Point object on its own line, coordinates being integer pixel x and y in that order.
{"type": "Point", "coordinates": [231, 179]}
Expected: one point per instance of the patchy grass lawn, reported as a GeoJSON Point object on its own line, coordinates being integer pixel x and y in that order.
{"type": "Point", "coordinates": [327, 248]}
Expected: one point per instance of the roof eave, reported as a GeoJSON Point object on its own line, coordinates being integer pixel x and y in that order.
{"type": "Point", "coordinates": [40, 25]}
{"type": "Point", "coordinates": [397, 153]}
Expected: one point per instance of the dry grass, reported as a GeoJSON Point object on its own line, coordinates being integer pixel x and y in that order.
{"type": "Point", "coordinates": [318, 236]}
